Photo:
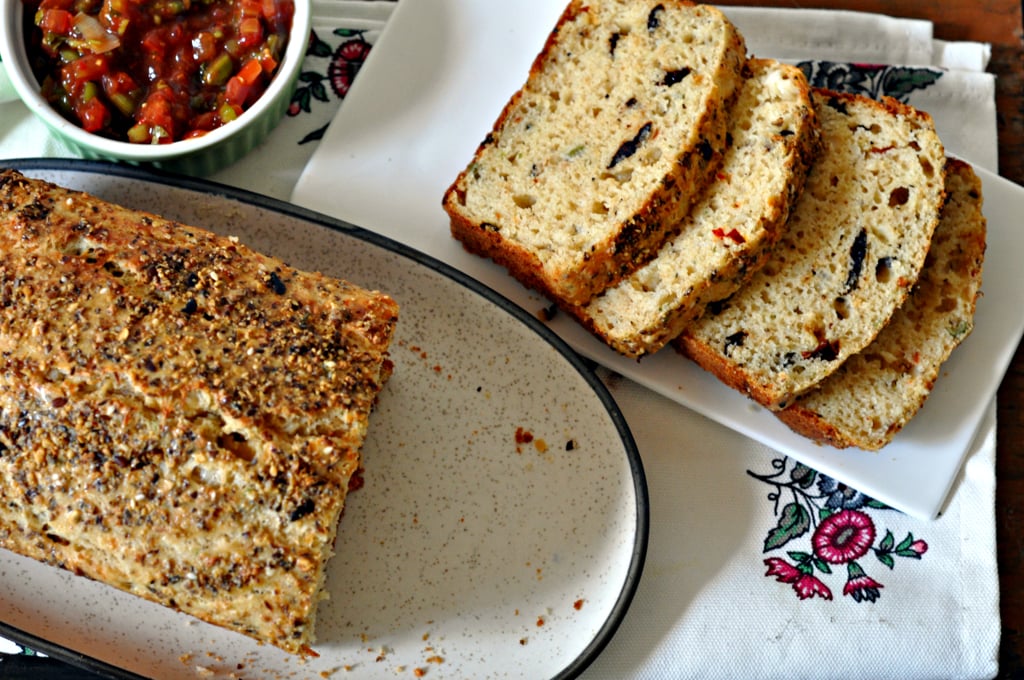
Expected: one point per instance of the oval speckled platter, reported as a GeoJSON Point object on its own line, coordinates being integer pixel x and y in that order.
{"type": "Point", "coordinates": [469, 552]}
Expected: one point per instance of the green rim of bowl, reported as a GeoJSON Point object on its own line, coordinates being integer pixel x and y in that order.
{"type": "Point", "coordinates": [200, 156]}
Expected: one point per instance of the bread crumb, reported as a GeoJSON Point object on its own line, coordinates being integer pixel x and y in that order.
{"type": "Point", "coordinates": [523, 436]}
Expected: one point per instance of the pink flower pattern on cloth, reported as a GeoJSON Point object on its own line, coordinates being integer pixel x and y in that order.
{"type": "Point", "coordinates": [839, 525]}
{"type": "Point", "coordinates": [838, 522]}
{"type": "Point", "coordinates": [315, 85]}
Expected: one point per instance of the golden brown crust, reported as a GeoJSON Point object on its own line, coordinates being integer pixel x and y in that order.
{"type": "Point", "coordinates": [803, 343]}
{"type": "Point", "coordinates": [715, 363]}
{"type": "Point", "coordinates": [635, 240]}
{"type": "Point", "coordinates": [179, 415]}
{"type": "Point", "coordinates": [787, 146]}
{"type": "Point", "coordinates": [811, 425]}
{"type": "Point", "coordinates": [866, 403]}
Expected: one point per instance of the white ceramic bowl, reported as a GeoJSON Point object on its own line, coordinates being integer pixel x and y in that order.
{"type": "Point", "coordinates": [198, 156]}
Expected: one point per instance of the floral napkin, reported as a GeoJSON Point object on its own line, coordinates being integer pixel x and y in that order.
{"type": "Point", "coordinates": [763, 568]}
{"type": "Point", "coordinates": [758, 567]}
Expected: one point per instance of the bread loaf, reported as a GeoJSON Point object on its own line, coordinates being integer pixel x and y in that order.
{"type": "Point", "coordinates": [853, 247]}
{"type": "Point", "coordinates": [592, 163]}
{"type": "Point", "coordinates": [732, 227]}
{"type": "Point", "coordinates": [180, 417]}
{"type": "Point", "coordinates": [875, 393]}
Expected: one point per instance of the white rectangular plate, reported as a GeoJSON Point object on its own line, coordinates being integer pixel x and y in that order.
{"type": "Point", "coordinates": [429, 92]}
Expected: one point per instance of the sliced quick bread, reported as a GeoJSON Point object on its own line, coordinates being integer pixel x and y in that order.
{"type": "Point", "coordinates": [875, 393]}
{"type": "Point", "coordinates": [853, 247]}
{"type": "Point", "coordinates": [731, 229]}
{"type": "Point", "coordinates": [621, 122]}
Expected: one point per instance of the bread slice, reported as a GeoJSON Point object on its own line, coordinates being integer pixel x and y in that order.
{"type": "Point", "coordinates": [180, 417]}
{"type": "Point", "coordinates": [853, 247]}
{"type": "Point", "coordinates": [731, 229]}
{"type": "Point", "coordinates": [875, 393]}
{"type": "Point", "coordinates": [620, 124]}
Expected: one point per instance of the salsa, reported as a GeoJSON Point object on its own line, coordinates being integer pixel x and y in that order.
{"type": "Point", "coordinates": [155, 72]}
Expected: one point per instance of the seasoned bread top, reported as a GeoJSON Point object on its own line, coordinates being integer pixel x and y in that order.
{"type": "Point", "coordinates": [731, 229]}
{"type": "Point", "coordinates": [185, 317]}
{"type": "Point", "coordinates": [875, 393]}
{"type": "Point", "coordinates": [620, 123]}
{"type": "Point", "coordinates": [180, 416]}
{"type": "Point", "coordinates": [853, 247]}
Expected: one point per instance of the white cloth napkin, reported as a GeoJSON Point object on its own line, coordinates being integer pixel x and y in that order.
{"type": "Point", "coordinates": [723, 594]}
{"type": "Point", "coordinates": [962, 102]}
{"type": "Point", "coordinates": [706, 609]}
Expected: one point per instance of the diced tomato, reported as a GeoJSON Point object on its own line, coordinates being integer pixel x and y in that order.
{"type": "Point", "coordinates": [115, 15]}
{"type": "Point", "coordinates": [116, 24]}
{"type": "Point", "coordinates": [250, 32]}
{"type": "Point", "coordinates": [91, 67]}
{"type": "Point", "coordinates": [267, 62]}
{"type": "Point", "coordinates": [281, 19]}
{"type": "Point", "coordinates": [249, 8]}
{"type": "Point", "coordinates": [204, 47]}
{"type": "Point", "coordinates": [76, 74]}
{"type": "Point", "coordinates": [56, 4]}
{"type": "Point", "coordinates": [204, 121]}
{"type": "Point", "coordinates": [154, 46]}
{"type": "Point", "coordinates": [237, 92]}
{"type": "Point", "coordinates": [118, 82]}
{"type": "Point", "coordinates": [94, 115]}
{"type": "Point", "coordinates": [243, 86]}
{"type": "Point", "coordinates": [166, 67]}
{"type": "Point", "coordinates": [58, 21]}
{"type": "Point", "coordinates": [250, 72]}
{"type": "Point", "coordinates": [122, 91]}
{"type": "Point", "coordinates": [156, 111]}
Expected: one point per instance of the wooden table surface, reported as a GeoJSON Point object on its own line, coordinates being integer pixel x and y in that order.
{"type": "Point", "coordinates": [998, 22]}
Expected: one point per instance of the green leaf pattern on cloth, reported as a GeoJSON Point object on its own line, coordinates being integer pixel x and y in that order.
{"type": "Point", "coordinates": [823, 524]}
{"type": "Point", "coordinates": [837, 521]}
